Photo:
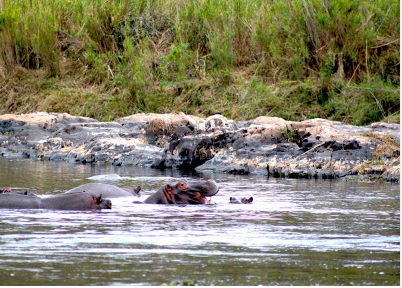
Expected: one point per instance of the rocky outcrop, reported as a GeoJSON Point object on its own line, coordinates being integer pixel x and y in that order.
{"type": "Point", "coordinates": [314, 148]}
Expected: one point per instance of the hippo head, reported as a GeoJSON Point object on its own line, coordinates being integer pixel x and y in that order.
{"type": "Point", "coordinates": [99, 203]}
{"type": "Point", "coordinates": [243, 200]}
{"type": "Point", "coordinates": [5, 190]}
{"type": "Point", "coordinates": [9, 190]}
{"type": "Point", "coordinates": [190, 192]}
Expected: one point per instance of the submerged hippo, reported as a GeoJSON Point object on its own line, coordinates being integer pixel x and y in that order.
{"type": "Point", "coordinates": [5, 190]}
{"type": "Point", "coordinates": [106, 190]}
{"type": "Point", "coordinates": [72, 201]}
{"type": "Point", "coordinates": [184, 193]}
{"type": "Point", "coordinates": [243, 200]}
{"type": "Point", "coordinates": [9, 190]}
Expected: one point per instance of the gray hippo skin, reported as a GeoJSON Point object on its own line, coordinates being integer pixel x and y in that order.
{"type": "Point", "coordinates": [106, 190]}
{"type": "Point", "coordinates": [73, 201]}
{"type": "Point", "coordinates": [184, 193]}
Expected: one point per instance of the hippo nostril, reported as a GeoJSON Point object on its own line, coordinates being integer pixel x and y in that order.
{"type": "Point", "coordinates": [108, 204]}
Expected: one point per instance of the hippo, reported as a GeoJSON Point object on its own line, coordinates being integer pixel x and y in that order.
{"type": "Point", "coordinates": [184, 193]}
{"type": "Point", "coordinates": [71, 201]}
{"type": "Point", "coordinates": [5, 190]}
{"type": "Point", "coordinates": [106, 190]}
{"type": "Point", "coordinates": [9, 190]}
{"type": "Point", "coordinates": [243, 200]}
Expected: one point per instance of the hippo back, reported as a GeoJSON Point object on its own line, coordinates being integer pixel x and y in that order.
{"type": "Point", "coordinates": [71, 201]}
{"type": "Point", "coordinates": [106, 190]}
{"type": "Point", "coordinates": [19, 201]}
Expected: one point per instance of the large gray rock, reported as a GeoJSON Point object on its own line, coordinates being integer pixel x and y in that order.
{"type": "Point", "coordinates": [316, 148]}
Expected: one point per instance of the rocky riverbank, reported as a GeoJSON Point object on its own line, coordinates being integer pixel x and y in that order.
{"type": "Point", "coordinates": [315, 148]}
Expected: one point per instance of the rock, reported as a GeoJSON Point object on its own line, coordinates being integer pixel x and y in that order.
{"type": "Point", "coordinates": [271, 146]}
{"type": "Point", "coordinates": [269, 120]}
{"type": "Point", "coordinates": [392, 173]}
{"type": "Point", "coordinates": [164, 128]}
{"type": "Point", "coordinates": [137, 122]}
{"type": "Point", "coordinates": [62, 137]}
{"type": "Point", "coordinates": [219, 122]}
{"type": "Point", "coordinates": [34, 127]}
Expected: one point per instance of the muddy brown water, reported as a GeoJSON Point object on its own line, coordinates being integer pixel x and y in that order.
{"type": "Point", "coordinates": [296, 232]}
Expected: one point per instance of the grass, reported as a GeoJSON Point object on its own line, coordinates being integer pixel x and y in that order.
{"type": "Point", "coordinates": [388, 149]}
{"type": "Point", "coordinates": [292, 59]}
{"type": "Point", "coordinates": [387, 154]}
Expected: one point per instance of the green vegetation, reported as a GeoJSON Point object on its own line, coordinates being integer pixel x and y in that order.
{"type": "Point", "coordinates": [295, 59]}
{"type": "Point", "coordinates": [291, 135]}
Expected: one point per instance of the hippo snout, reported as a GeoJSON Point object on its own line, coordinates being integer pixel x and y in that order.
{"type": "Point", "coordinates": [107, 204]}
{"type": "Point", "coordinates": [212, 188]}
{"type": "Point", "coordinates": [207, 188]}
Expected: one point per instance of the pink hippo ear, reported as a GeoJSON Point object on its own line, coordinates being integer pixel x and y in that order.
{"type": "Point", "coordinates": [169, 191]}
{"type": "Point", "coordinates": [137, 190]}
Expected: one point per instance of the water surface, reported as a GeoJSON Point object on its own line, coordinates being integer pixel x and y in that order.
{"type": "Point", "coordinates": [297, 232]}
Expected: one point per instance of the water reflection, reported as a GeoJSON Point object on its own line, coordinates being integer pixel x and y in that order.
{"type": "Point", "coordinates": [297, 232]}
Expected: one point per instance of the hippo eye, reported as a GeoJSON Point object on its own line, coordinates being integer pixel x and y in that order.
{"type": "Point", "coordinates": [182, 185]}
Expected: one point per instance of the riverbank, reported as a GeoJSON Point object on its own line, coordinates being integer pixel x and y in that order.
{"type": "Point", "coordinates": [296, 60]}
{"type": "Point", "coordinates": [269, 146]}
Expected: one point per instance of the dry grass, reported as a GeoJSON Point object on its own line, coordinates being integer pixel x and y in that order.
{"type": "Point", "coordinates": [292, 59]}
{"type": "Point", "coordinates": [389, 148]}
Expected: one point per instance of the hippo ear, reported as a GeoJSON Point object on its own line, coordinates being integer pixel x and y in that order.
{"type": "Point", "coordinates": [250, 199]}
{"type": "Point", "coordinates": [137, 190]}
{"type": "Point", "coordinates": [169, 191]}
{"type": "Point", "coordinates": [99, 199]}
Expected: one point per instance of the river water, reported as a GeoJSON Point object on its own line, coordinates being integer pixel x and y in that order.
{"type": "Point", "coordinates": [296, 232]}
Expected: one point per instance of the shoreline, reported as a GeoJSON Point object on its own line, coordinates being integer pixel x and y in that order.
{"type": "Point", "coordinates": [271, 146]}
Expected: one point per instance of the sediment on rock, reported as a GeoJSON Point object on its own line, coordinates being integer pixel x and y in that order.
{"type": "Point", "coordinates": [315, 148]}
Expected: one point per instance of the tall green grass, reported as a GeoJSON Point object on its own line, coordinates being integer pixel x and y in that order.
{"type": "Point", "coordinates": [295, 59]}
